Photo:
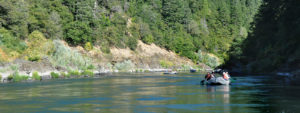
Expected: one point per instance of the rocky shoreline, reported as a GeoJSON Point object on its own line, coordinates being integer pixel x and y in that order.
{"type": "Point", "coordinates": [46, 70]}
{"type": "Point", "coordinates": [47, 75]}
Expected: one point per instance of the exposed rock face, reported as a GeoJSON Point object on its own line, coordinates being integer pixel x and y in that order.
{"type": "Point", "coordinates": [42, 66]}
{"type": "Point", "coordinates": [146, 56]}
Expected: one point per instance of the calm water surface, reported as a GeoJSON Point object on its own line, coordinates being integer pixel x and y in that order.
{"type": "Point", "coordinates": [151, 93]}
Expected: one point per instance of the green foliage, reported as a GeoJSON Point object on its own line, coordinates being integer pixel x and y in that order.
{"type": "Point", "coordinates": [88, 72]}
{"type": "Point", "coordinates": [20, 78]}
{"type": "Point", "coordinates": [91, 67]}
{"type": "Point", "coordinates": [74, 73]}
{"type": "Point", "coordinates": [65, 75]}
{"type": "Point", "coordinates": [54, 27]}
{"type": "Point", "coordinates": [3, 56]}
{"type": "Point", "coordinates": [54, 75]}
{"type": "Point", "coordinates": [166, 64]}
{"type": "Point", "coordinates": [15, 15]}
{"type": "Point", "coordinates": [16, 77]}
{"type": "Point", "coordinates": [105, 47]}
{"type": "Point", "coordinates": [11, 47]}
{"type": "Point", "coordinates": [0, 77]}
{"type": "Point", "coordinates": [66, 57]}
{"type": "Point", "coordinates": [78, 33]}
{"type": "Point", "coordinates": [88, 46]}
{"type": "Point", "coordinates": [273, 43]}
{"type": "Point", "coordinates": [124, 66]}
{"type": "Point", "coordinates": [175, 11]}
{"type": "Point", "coordinates": [183, 26]}
{"type": "Point", "coordinates": [10, 42]}
{"type": "Point", "coordinates": [36, 76]}
{"type": "Point", "coordinates": [38, 46]}
{"type": "Point", "coordinates": [14, 67]}
{"type": "Point", "coordinates": [145, 33]}
{"type": "Point", "coordinates": [208, 59]}
{"type": "Point", "coordinates": [132, 43]}
{"type": "Point", "coordinates": [10, 77]}
{"type": "Point", "coordinates": [186, 67]}
{"type": "Point", "coordinates": [148, 39]}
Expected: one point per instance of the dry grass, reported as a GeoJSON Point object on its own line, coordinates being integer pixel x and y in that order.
{"type": "Point", "coordinates": [3, 56]}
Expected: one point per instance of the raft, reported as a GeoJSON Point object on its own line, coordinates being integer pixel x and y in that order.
{"type": "Point", "coordinates": [173, 72]}
{"type": "Point", "coordinates": [193, 70]}
{"type": "Point", "coordinates": [216, 81]}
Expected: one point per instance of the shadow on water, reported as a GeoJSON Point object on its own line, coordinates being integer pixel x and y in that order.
{"type": "Point", "coordinates": [145, 92]}
{"type": "Point", "coordinates": [280, 95]}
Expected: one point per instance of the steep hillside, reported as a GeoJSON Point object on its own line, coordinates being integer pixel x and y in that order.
{"type": "Point", "coordinates": [67, 59]}
{"type": "Point", "coordinates": [274, 43]}
{"type": "Point", "coordinates": [182, 26]}
{"type": "Point", "coordinates": [145, 57]}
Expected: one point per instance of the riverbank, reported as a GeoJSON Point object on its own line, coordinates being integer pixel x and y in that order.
{"type": "Point", "coordinates": [68, 61]}
{"type": "Point", "coordinates": [23, 70]}
{"type": "Point", "coordinates": [20, 76]}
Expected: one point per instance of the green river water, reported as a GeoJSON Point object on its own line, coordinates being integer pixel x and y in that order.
{"type": "Point", "coordinates": [150, 93]}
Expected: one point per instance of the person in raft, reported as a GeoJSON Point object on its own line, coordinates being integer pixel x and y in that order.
{"type": "Point", "coordinates": [226, 76]}
{"type": "Point", "coordinates": [209, 76]}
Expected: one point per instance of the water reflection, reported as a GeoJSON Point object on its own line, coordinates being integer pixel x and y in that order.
{"type": "Point", "coordinates": [143, 93]}
{"type": "Point", "coordinates": [279, 96]}
{"type": "Point", "coordinates": [220, 92]}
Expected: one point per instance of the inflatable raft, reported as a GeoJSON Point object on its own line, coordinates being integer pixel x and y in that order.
{"type": "Point", "coordinates": [216, 81]}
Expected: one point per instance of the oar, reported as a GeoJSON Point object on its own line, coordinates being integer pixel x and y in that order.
{"type": "Point", "coordinates": [202, 82]}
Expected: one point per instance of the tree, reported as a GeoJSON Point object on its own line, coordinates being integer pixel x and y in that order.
{"type": "Point", "coordinates": [78, 33]}
{"type": "Point", "coordinates": [54, 28]}
{"type": "Point", "coordinates": [16, 16]}
{"type": "Point", "coordinates": [175, 11]}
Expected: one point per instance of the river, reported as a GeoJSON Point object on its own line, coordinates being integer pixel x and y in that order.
{"type": "Point", "coordinates": [150, 92]}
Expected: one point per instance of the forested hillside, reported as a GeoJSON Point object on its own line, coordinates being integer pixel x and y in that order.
{"type": "Point", "coordinates": [274, 43]}
{"type": "Point", "coordinates": [190, 28]}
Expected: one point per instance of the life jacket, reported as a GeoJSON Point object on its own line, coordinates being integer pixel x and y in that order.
{"type": "Point", "coordinates": [208, 77]}
{"type": "Point", "coordinates": [225, 76]}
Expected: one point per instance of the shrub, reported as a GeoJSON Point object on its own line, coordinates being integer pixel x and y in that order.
{"type": "Point", "coordinates": [0, 77]}
{"type": "Point", "coordinates": [54, 75]}
{"type": "Point", "coordinates": [36, 76]}
{"type": "Point", "coordinates": [74, 73]}
{"type": "Point", "coordinates": [212, 61]}
{"type": "Point", "coordinates": [144, 30]}
{"type": "Point", "coordinates": [91, 67]}
{"type": "Point", "coordinates": [88, 72]}
{"type": "Point", "coordinates": [34, 58]}
{"type": "Point", "coordinates": [132, 43]}
{"type": "Point", "coordinates": [11, 43]}
{"type": "Point", "coordinates": [64, 56]}
{"type": "Point", "coordinates": [88, 46]}
{"type": "Point", "coordinates": [148, 39]}
{"type": "Point", "coordinates": [65, 75]}
{"type": "Point", "coordinates": [14, 67]}
{"type": "Point", "coordinates": [166, 64]}
{"type": "Point", "coordinates": [186, 67]}
{"type": "Point", "coordinates": [207, 59]}
{"type": "Point", "coordinates": [10, 77]}
{"type": "Point", "coordinates": [3, 56]}
{"type": "Point", "coordinates": [124, 66]}
{"type": "Point", "coordinates": [78, 32]}
{"type": "Point", "coordinates": [16, 77]}
{"type": "Point", "coordinates": [38, 46]}
{"type": "Point", "coordinates": [105, 49]}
